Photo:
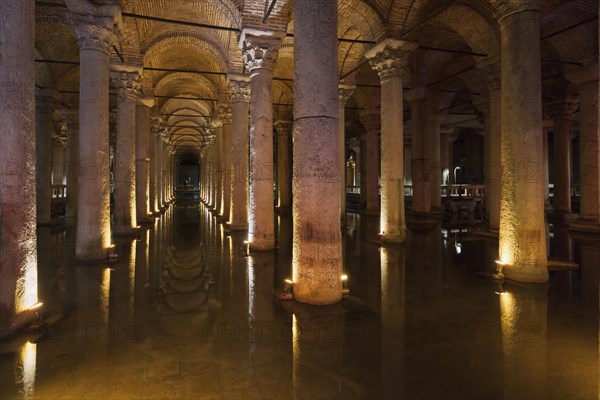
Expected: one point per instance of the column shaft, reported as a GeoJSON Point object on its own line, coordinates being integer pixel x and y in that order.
{"type": "Point", "coordinates": [227, 167]}
{"type": "Point", "coordinates": [142, 162]}
{"type": "Point", "coordinates": [421, 201]}
{"type": "Point", "coordinates": [317, 246]}
{"type": "Point", "coordinates": [522, 245]}
{"type": "Point", "coordinates": [284, 166]}
{"type": "Point", "coordinates": [43, 152]}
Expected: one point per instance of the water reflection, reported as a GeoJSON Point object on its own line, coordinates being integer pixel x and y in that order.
{"type": "Point", "coordinates": [184, 312]}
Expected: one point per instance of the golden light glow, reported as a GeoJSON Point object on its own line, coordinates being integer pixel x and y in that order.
{"type": "Point", "coordinates": [27, 285]}
{"type": "Point", "coordinates": [344, 277]}
{"type": "Point", "coordinates": [35, 306]}
{"type": "Point", "coordinates": [27, 360]}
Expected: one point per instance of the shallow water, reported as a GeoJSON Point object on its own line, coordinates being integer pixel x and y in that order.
{"type": "Point", "coordinates": [184, 313]}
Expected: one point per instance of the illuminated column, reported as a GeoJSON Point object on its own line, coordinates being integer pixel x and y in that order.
{"type": "Point", "coordinates": [492, 114]}
{"type": "Point", "coordinates": [389, 59]}
{"type": "Point", "coordinates": [59, 144]}
{"type": "Point", "coordinates": [284, 166]}
{"type": "Point", "coordinates": [217, 164]}
{"type": "Point", "coordinates": [547, 123]}
{"type": "Point", "coordinates": [18, 248]}
{"type": "Point", "coordinates": [260, 52]}
{"type": "Point", "coordinates": [419, 110]}
{"type": "Point", "coordinates": [226, 167]}
{"type": "Point", "coordinates": [369, 164]}
{"type": "Point", "coordinates": [586, 79]}
{"type": "Point", "coordinates": [448, 136]}
{"type": "Point", "coordinates": [142, 159]}
{"type": "Point", "coordinates": [317, 247]}
{"type": "Point", "coordinates": [96, 39]}
{"type": "Point", "coordinates": [72, 164]}
{"type": "Point", "coordinates": [239, 90]}
{"type": "Point", "coordinates": [562, 114]}
{"type": "Point", "coordinates": [127, 82]}
{"type": "Point", "coordinates": [522, 245]}
{"type": "Point", "coordinates": [44, 125]}
{"type": "Point", "coordinates": [345, 92]}
{"type": "Point", "coordinates": [159, 168]}
{"type": "Point", "coordinates": [164, 158]}
{"type": "Point", "coordinates": [156, 131]}
{"type": "Point", "coordinates": [432, 151]}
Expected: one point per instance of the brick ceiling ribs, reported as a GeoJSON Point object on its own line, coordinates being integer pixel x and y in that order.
{"type": "Point", "coordinates": [188, 47]}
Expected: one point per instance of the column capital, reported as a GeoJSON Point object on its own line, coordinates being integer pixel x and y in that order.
{"type": "Point", "coordinates": [284, 128]}
{"type": "Point", "coordinates": [579, 75]}
{"type": "Point", "coordinates": [390, 57]}
{"type": "Point", "coordinates": [417, 93]}
{"type": "Point", "coordinates": [46, 98]}
{"type": "Point", "coordinates": [345, 92]}
{"type": "Point", "coordinates": [127, 81]}
{"type": "Point", "coordinates": [505, 8]}
{"type": "Point", "coordinates": [371, 121]}
{"type": "Point", "coordinates": [59, 141]}
{"type": "Point", "coordinates": [260, 48]}
{"type": "Point", "coordinates": [564, 108]}
{"type": "Point", "coordinates": [239, 88]}
{"type": "Point", "coordinates": [146, 101]}
{"type": "Point", "coordinates": [225, 114]}
{"type": "Point", "coordinates": [97, 25]}
{"type": "Point", "coordinates": [215, 123]}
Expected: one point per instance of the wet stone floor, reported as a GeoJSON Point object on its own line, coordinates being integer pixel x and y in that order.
{"type": "Point", "coordinates": [184, 313]}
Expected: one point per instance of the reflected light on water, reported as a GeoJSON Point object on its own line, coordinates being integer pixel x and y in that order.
{"type": "Point", "coordinates": [27, 362]}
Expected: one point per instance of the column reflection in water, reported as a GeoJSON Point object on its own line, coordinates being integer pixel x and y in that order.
{"type": "Point", "coordinates": [284, 251]}
{"type": "Point", "coordinates": [317, 345]}
{"type": "Point", "coordinates": [561, 247]}
{"type": "Point", "coordinates": [393, 317]}
{"type": "Point", "coordinates": [141, 286]}
{"type": "Point", "coordinates": [122, 292]}
{"type": "Point", "coordinates": [25, 365]}
{"type": "Point", "coordinates": [523, 319]}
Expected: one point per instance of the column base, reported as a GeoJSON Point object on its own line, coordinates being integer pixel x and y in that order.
{"type": "Point", "coordinates": [393, 238]}
{"type": "Point", "coordinates": [527, 274]}
{"type": "Point", "coordinates": [237, 228]}
{"type": "Point", "coordinates": [128, 231]}
{"type": "Point", "coordinates": [259, 247]}
{"type": "Point", "coordinates": [11, 326]}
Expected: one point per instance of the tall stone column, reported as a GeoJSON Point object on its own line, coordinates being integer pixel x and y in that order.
{"type": "Point", "coordinates": [159, 170]}
{"type": "Point", "coordinates": [154, 138]}
{"type": "Point", "coordinates": [419, 110]}
{"type": "Point", "coordinates": [317, 244]}
{"type": "Point", "coordinates": [59, 144]}
{"type": "Point", "coordinates": [72, 161]}
{"type": "Point", "coordinates": [142, 159]}
{"type": "Point", "coordinates": [226, 167]}
{"type": "Point", "coordinates": [345, 92]}
{"type": "Point", "coordinates": [389, 59]}
{"type": "Point", "coordinates": [432, 151]}
{"type": "Point", "coordinates": [547, 123]}
{"type": "Point", "coordinates": [284, 166]}
{"type": "Point", "coordinates": [164, 157]}
{"type": "Point", "coordinates": [260, 52]}
{"type": "Point", "coordinates": [96, 39]}
{"type": "Point", "coordinates": [492, 114]}
{"type": "Point", "coordinates": [239, 90]}
{"type": "Point", "coordinates": [522, 245]}
{"type": "Point", "coordinates": [44, 125]}
{"type": "Point", "coordinates": [586, 80]}
{"type": "Point", "coordinates": [127, 82]}
{"type": "Point", "coordinates": [369, 167]}
{"type": "Point", "coordinates": [562, 114]}
{"type": "Point", "coordinates": [217, 165]}
{"type": "Point", "coordinates": [18, 247]}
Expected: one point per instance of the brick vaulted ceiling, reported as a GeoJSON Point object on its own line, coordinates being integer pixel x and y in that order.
{"type": "Point", "coordinates": [466, 27]}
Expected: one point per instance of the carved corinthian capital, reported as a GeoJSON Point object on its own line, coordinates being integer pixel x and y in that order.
{"type": "Point", "coordinates": [260, 48]}
{"type": "Point", "coordinates": [128, 85]}
{"type": "Point", "coordinates": [504, 8]}
{"type": "Point", "coordinates": [390, 57]}
{"type": "Point", "coordinates": [239, 88]}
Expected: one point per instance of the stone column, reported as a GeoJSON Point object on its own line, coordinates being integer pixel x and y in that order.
{"type": "Point", "coordinates": [127, 82]}
{"type": "Point", "coordinates": [217, 165]}
{"type": "Point", "coordinates": [72, 164]}
{"type": "Point", "coordinates": [159, 169]}
{"type": "Point", "coordinates": [389, 59]}
{"type": "Point", "coordinates": [164, 158]}
{"type": "Point", "coordinates": [156, 132]}
{"type": "Point", "coordinates": [226, 167]}
{"type": "Point", "coordinates": [142, 159]}
{"type": "Point", "coordinates": [522, 245]}
{"type": "Point", "coordinates": [492, 113]}
{"type": "Point", "coordinates": [432, 152]}
{"type": "Point", "coordinates": [18, 248]}
{"type": "Point", "coordinates": [562, 113]}
{"type": "Point", "coordinates": [239, 90]}
{"type": "Point", "coordinates": [345, 92]}
{"type": "Point", "coordinates": [547, 123]}
{"type": "Point", "coordinates": [448, 136]}
{"type": "Point", "coordinates": [284, 166]}
{"type": "Point", "coordinates": [59, 144]}
{"type": "Point", "coordinates": [419, 110]}
{"type": "Point", "coordinates": [260, 52]}
{"type": "Point", "coordinates": [317, 244]}
{"type": "Point", "coordinates": [369, 143]}
{"type": "Point", "coordinates": [96, 39]}
{"type": "Point", "coordinates": [586, 80]}
{"type": "Point", "coordinates": [44, 126]}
